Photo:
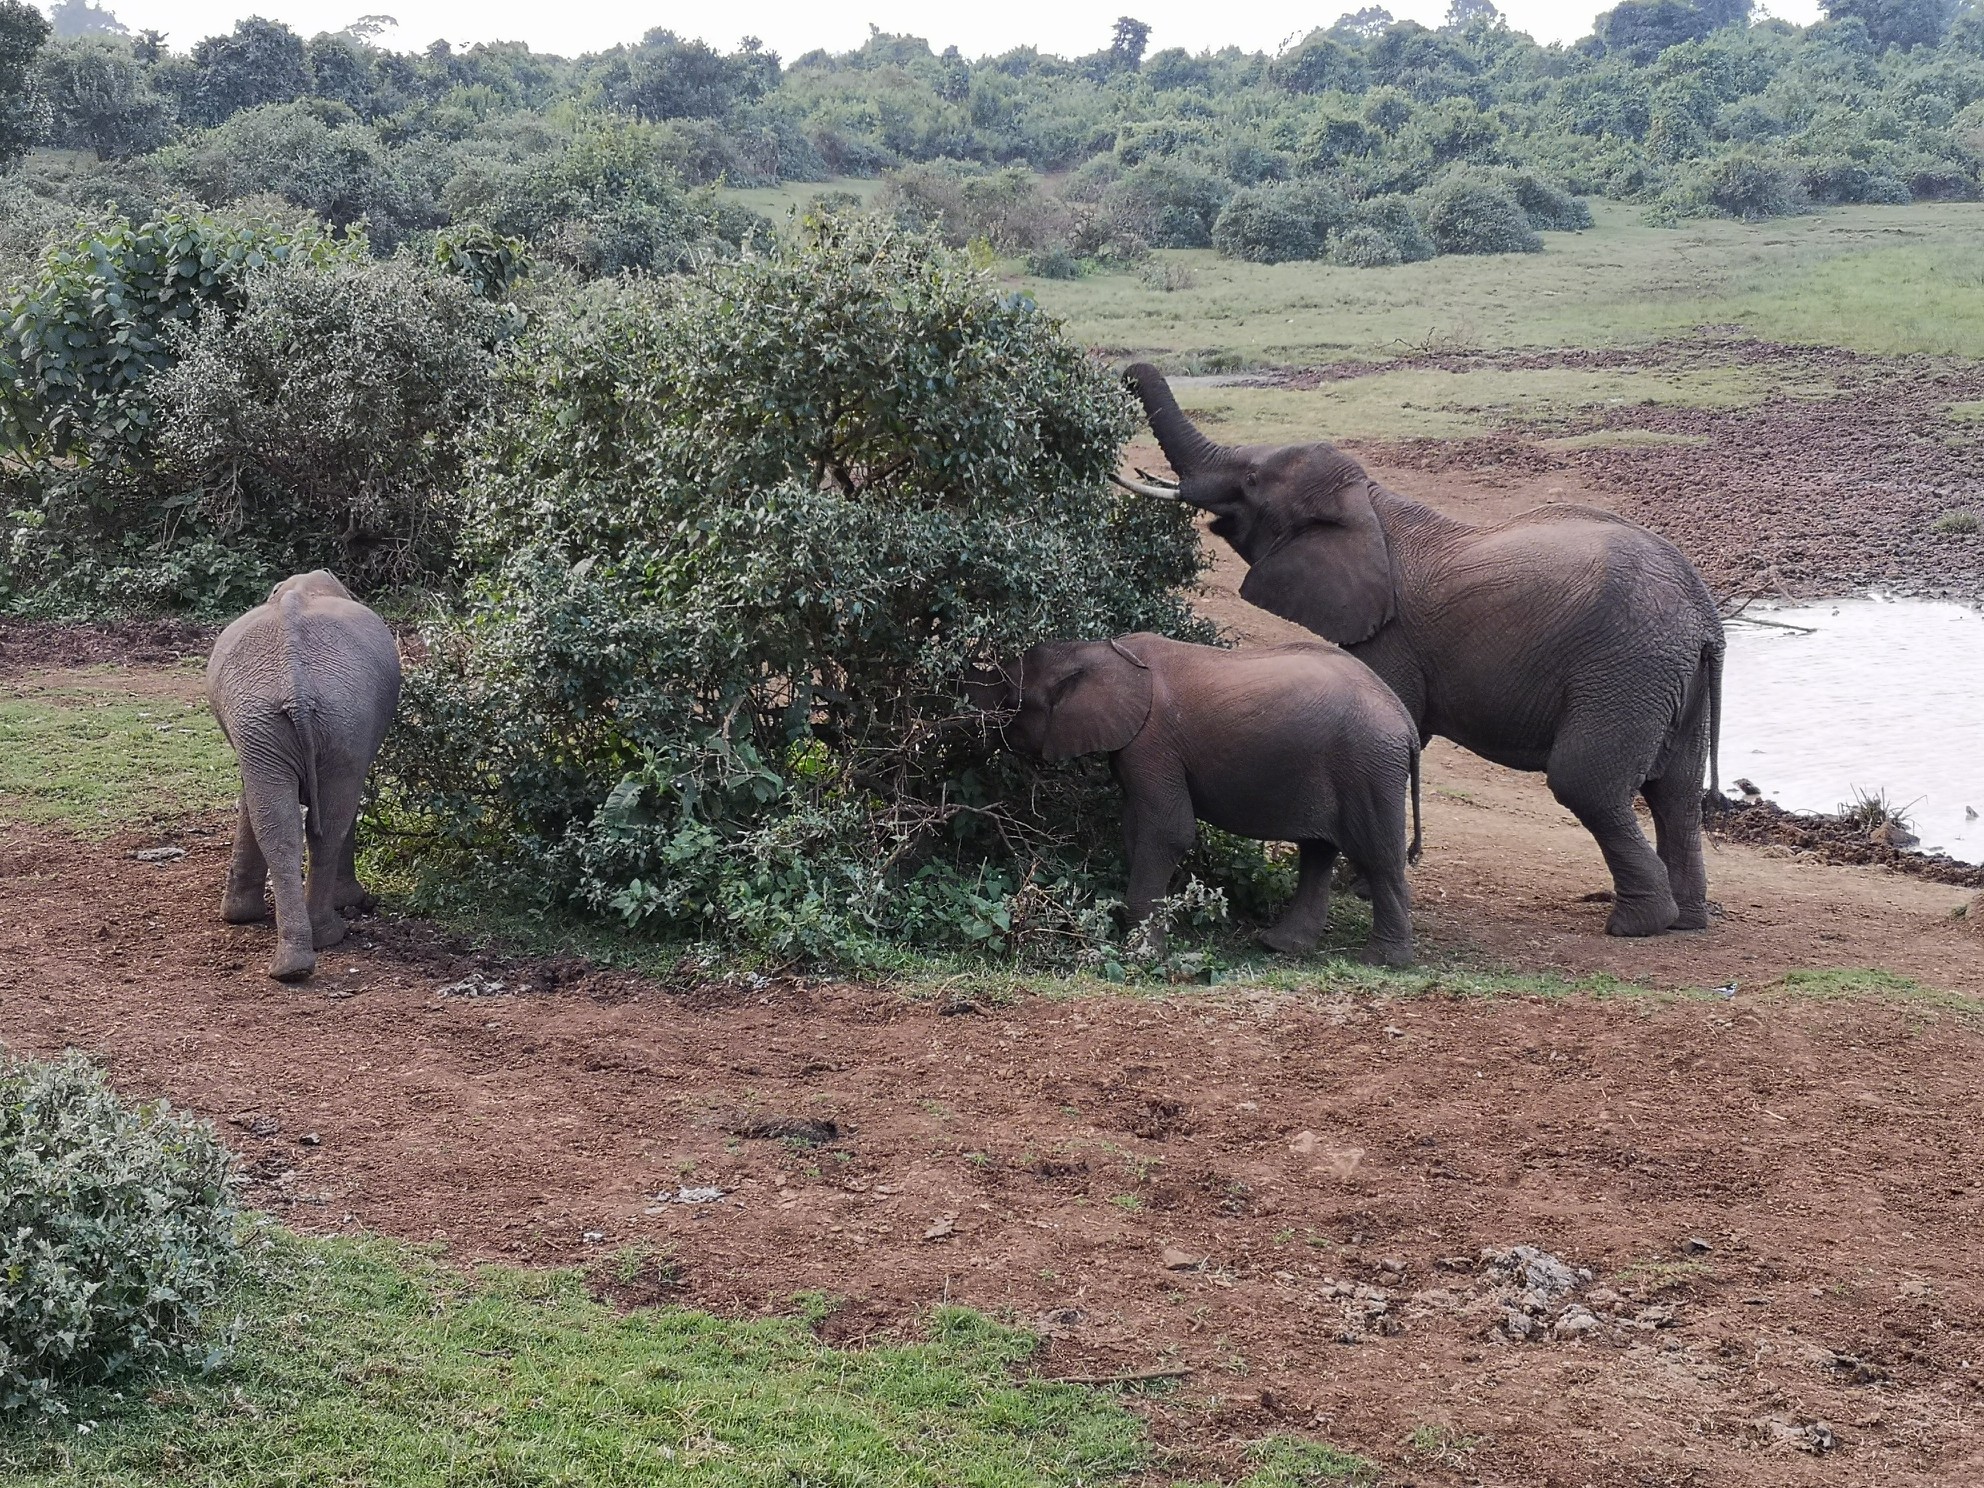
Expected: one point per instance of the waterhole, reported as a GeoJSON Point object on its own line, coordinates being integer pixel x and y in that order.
{"type": "Point", "coordinates": [1823, 702]}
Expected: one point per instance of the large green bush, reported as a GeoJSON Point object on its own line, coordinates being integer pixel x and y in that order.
{"type": "Point", "coordinates": [744, 531]}
{"type": "Point", "coordinates": [297, 404]}
{"type": "Point", "coordinates": [117, 1234]}
{"type": "Point", "coordinates": [1470, 213]}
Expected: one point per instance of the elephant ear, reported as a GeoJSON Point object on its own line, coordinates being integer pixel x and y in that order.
{"type": "Point", "coordinates": [1099, 705]}
{"type": "Point", "coordinates": [1333, 573]}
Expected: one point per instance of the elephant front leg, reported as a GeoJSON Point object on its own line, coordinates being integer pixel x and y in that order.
{"type": "Point", "coordinates": [1158, 833]}
{"type": "Point", "coordinates": [1308, 914]}
{"type": "Point", "coordinates": [246, 901]}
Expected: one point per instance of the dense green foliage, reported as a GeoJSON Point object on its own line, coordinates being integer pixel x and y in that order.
{"type": "Point", "coordinates": [1684, 107]}
{"type": "Point", "coordinates": [200, 404]}
{"type": "Point", "coordinates": [117, 1234]}
{"type": "Point", "coordinates": [743, 532]}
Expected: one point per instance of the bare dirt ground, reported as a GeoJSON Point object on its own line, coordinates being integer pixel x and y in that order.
{"type": "Point", "coordinates": [1778, 1195]}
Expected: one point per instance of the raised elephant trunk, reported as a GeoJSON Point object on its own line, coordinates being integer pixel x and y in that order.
{"type": "Point", "coordinates": [1184, 446]}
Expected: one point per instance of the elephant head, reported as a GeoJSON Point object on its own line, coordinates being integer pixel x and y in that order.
{"type": "Point", "coordinates": [1064, 698]}
{"type": "Point", "coordinates": [1300, 514]}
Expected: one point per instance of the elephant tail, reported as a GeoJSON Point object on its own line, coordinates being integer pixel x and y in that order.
{"type": "Point", "coordinates": [300, 709]}
{"type": "Point", "coordinates": [1712, 665]}
{"type": "Point", "coordinates": [1418, 838]}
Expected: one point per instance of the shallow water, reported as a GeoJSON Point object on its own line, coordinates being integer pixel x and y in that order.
{"type": "Point", "coordinates": [1866, 695]}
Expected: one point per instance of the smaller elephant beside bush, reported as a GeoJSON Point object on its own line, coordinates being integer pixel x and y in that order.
{"type": "Point", "coordinates": [1295, 743]}
{"type": "Point", "coordinates": [305, 687]}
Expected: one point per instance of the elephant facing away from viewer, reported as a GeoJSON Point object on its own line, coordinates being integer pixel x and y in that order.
{"type": "Point", "coordinates": [1296, 743]}
{"type": "Point", "coordinates": [305, 687]}
{"type": "Point", "coordinates": [1566, 640]}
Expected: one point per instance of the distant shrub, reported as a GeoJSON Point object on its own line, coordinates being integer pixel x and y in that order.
{"type": "Point", "coordinates": [1167, 203]}
{"type": "Point", "coordinates": [1393, 217]}
{"type": "Point", "coordinates": [1958, 523]}
{"type": "Point", "coordinates": [117, 1235]}
{"type": "Point", "coordinates": [1166, 275]}
{"type": "Point", "coordinates": [1364, 247]}
{"type": "Point", "coordinates": [1264, 224]}
{"type": "Point", "coordinates": [1752, 188]}
{"type": "Point", "coordinates": [1466, 213]}
{"type": "Point", "coordinates": [1054, 263]}
{"type": "Point", "coordinates": [1548, 207]}
{"type": "Point", "coordinates": [1280, 222]}
{"type": "Point", "coordinates": [1849, 182]}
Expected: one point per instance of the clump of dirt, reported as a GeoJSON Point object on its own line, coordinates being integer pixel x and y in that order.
{"type": "Point", "coordinates": [30, 644]}
{"type": "Point", "coordinates": [1831, 838]}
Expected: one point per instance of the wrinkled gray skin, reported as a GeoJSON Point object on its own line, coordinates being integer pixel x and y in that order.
{"type": "Point", "coordinates": [1565, 640]}
{"type": "Point", "coordinates": [304, 687]}
{"type": "Point", "coordinates": [1294, 743]}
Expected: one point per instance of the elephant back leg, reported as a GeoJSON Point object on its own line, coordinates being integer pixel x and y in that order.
{"type": "Point", "coordinates": [1596, 767]}
{"type": "Point", "coordinates": [271, 799]}
{"type": "Point", "coordinates": [1375, 841]}
{"type": "Point", "coordinates": [246, 901]}
{"type": "Point", "coordinates": [1308, 914]}
{"type": "Point", "coordinates": [1675, 800]}
{"type": "Point", "coordinates": [331, 826]}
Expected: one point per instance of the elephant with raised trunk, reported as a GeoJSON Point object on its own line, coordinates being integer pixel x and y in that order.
{"type": "Point", "coordinates": [305, 687]}
{"type": "Point", "coordinates": [1565, 640]}
{"type": "Point", "coordinates": [1294, 743]}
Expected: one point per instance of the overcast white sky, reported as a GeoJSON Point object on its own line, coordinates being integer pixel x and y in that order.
{"type": "Point", "coordinates": [790, 27]}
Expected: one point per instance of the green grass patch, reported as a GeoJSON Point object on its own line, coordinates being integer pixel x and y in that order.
{"type": "Point", "coordinates": [776, 202]}
{"type": "Point", "coordinates": [1430, 403]}
{"type": "Point", "coordinates": [366, 1362]}
{"type": "Point", "coordinates": [1881, 280]}
{"type": "Point", "coordinates": [82, 752]}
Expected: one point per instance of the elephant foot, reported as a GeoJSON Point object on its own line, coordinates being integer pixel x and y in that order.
{"type": "Point", "coordinates": [354, 896]}
{"type": "Point", "coordinates": [328, 932]}
{"type": "Point", "coordinates": [1289, 940]}
{"type": "Point", "coordinates": [1639, 917]}
{"type": "Point", "coordinates": [1387, 953]}
{"type": "Point", "coordinates": [293, 963]}
{"type": "Point", "coordinates": [1691, 917]}
{"type": "Point", "coordinates": [244, 908]}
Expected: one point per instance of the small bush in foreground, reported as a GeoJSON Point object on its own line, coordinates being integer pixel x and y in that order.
{"type": "Point", "coordinates": [117, 1234]}
{"type": "Point", "coordinates": [1958, 523]}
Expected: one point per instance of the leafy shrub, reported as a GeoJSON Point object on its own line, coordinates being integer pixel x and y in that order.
{"type": "Point", "coordinates": [1364, 247]}
{"type": "Point", "coordinates": [1848, 181]}
{"type": "Point", "coordinates": [1549, 208]}
{"type": "Point", "coordinates": [1393, 217]}
{"type": "Point", "coordinates": [602, 203]}
{"type": "Point", "coordinates": [1280, 222]}
{"type": "Point", "coordinates": [1959, 522]}
{"type": "Point", "coordinates": [1168, 203]}
{"type": "Point", "coordinates": [1752, 188]}
{"type": "Point", "coordinates": [744, 531]}
{"type": "Point", "coordinates": [1265, 225]}
{"type": "Point", "coordinates": [1467, 213]}
{"type": "Point", "coordinates": [323, 424]}
{"type": "Point", "coordinates": [80, 340]}
{"type": "Point", "coordinates": [117, 1234]}
{"type": "Point", "coordinates": [335, 167]}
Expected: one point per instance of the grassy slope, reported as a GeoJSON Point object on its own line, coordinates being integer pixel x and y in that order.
{"type": "Point", "coordinates": [363, 1362]}
{"type": "Point", "coordinates": [81, 750]}
{"type": "Point", "coordinates": [1882, 280]}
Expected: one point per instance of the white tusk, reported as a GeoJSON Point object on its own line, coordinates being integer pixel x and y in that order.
{"type": "Point", "coordinates": [1157, 480]}
{"type": "Point", "coordinates": [1142, 489]}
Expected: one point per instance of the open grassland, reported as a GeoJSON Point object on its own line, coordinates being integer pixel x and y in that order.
{"type": "Point", "coordinates": [366, 1362]}
{"type": "Point", "coordinates": [93, 752]}
{"type": "Point", "coordinates": [1880, 280]}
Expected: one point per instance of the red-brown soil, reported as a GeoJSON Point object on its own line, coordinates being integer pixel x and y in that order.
{"type": "Point", "coordinates": [1779, 1194]}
